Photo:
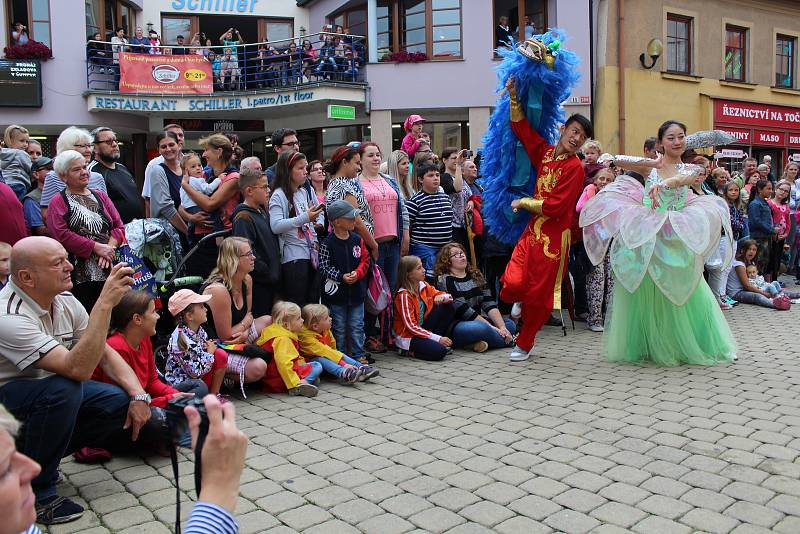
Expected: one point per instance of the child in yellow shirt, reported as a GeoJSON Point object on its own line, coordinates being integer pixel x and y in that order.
{"type": "Point", "coordinates": [288, 370]}
{"type": "Point", "coordinates": [318, 345]}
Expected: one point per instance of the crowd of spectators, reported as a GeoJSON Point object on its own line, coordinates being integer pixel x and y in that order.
{"type": "Point", "coordinates": [332, 54]}
{"type": "Point", "coordinates": [293, 293]}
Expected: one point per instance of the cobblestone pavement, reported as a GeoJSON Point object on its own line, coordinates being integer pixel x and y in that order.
{"type": "Point", "coordinates": [565, 443]}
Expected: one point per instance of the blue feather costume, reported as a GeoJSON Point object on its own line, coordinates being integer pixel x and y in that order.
{"type": "Point", "coordinates": [507, 172]}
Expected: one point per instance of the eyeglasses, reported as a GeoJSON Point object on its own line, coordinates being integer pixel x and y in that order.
{"type": "Point", "coordinates": [291, 143]}
{"type": "Point", "coordinates": [112, 141]}
{"type": "Point", "coordinates": [458, 254]}
{"type": "Point", "coordinates": [249, 253]}
{"type": "Point", "coordinates": [87, 145]}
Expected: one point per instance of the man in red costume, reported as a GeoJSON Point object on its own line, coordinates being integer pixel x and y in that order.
{"type": "Point", "coordinates": [538, 265]}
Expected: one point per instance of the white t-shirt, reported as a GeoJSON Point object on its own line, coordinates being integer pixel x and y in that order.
{"type": "Point", "coordinates": [734, 285]}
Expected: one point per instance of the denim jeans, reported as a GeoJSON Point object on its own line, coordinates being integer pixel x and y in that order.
{"type": "Point", "coordinates": [316, 370]}
{"type": "Point", "coordinates": [469, 332]}
{"type": "Point", "coordinates": [348, 328]}
{"type": "Point", "coordinates": [59, 417]}
{"type": "Point", "coordinates": [425, 253]}
{"type": "Point", "coordinates": [329, 366]}
{"type": "Point", "coordinates": [438, 322]}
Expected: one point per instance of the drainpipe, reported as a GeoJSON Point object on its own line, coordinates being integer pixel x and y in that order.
{"type": "Point", "coordinates": [372, 31]}
{"type": "Point", "coordinates": [621, 62]}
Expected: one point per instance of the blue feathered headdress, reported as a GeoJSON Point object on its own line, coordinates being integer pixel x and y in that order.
{"type": "Point", "coordinates": [506, 169]}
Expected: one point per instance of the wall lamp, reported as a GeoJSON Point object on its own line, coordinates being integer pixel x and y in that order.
{"type": "Point", "coordinates": [654, 49]}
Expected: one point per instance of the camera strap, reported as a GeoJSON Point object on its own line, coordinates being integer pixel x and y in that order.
{"type": "Point", "coordinates": [198, 470]}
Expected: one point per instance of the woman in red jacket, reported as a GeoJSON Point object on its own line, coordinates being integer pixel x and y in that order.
{"type": "Point", "coordinates": [133, 321]}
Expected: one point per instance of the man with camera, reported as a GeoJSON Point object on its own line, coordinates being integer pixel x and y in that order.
{"type": "Point", "coordinates": [49, 347]}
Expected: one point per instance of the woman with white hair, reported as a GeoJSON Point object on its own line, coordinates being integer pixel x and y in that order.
{"type": "Point", "coordinates": [87, 224]}
{"type": "Point", "coordinates": [72, 138]}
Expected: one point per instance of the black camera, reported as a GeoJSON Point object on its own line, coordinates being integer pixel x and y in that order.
{"type": "Point", "coordinates": [176, 418]}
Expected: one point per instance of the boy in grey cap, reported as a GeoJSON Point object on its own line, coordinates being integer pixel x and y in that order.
{"type": "Point", "coordinates": [343, 265]}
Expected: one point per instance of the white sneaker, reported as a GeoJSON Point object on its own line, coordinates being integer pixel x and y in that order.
{"type": "Point", "coordinates": [519, 354]}
{"type": "Point", "coordinates": [596, 327]}
{"type": "Point", "coordinates": [516, 310]}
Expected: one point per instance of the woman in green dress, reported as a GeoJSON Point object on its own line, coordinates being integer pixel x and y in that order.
{"type": "Point", "coordinates": [660, 237]}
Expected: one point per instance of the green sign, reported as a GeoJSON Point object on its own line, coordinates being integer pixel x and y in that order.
{"type": "Point", "coordinates": [341, 112]}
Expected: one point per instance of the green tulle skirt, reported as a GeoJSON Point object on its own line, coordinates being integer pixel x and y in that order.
{"type": "Point", "coordinates": [645, 327]}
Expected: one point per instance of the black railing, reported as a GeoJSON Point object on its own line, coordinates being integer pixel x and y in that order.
{"type": "Point", "coordinates": [272, 64]}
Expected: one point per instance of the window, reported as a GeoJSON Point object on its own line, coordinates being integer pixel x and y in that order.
{"type": "Point", "coordinates": [735, 53]}
{"type": "Point", "coordinates": [385, 34]}
{"type": "Point", "coordinates": [172, 27]}
{"type": "Point", "coordinates": [105, 16]}
{"type": "Point", "coordinates": [532, 13]}
{"type": "Point", "coordinates": [432, 27]}
{"type": "Point", "coordinates": [33, 14]}
{"type": "Point", "coordinates": [40, 21]}
{"type": "Point", "coordinates": [784, 61]}
{"type": "Point", "coordinates": [278, 30]}
{"type": "Point", "coordinates": [679, 44]}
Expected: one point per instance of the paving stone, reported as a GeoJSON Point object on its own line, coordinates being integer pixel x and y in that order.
{"type": "Point", "coordinates": [356, 510]}
{"type": "Point", "coordinates": [128, 517]}
{"type": "Point", "coordinates": [665, 486]}
{"type": "Point", "coordinates": [522, 525]}
{"type": "Point", "coordinates": [486, 513]}
{"type": "Point", "coordinates": [743, 491]}
{"type": "Point", "coordinates": [385, 524]}
{"type": "Point", "coordinates": [618, 514]}
{"type": "Point", "coordinates": [534, 507]}
{"type": "Point", "coordinates": [499, 493]}
{"type": "Point", "coordinates": [151, 527]}
{"type": "Point", "coordinates": [436, 520]}
{"type": "Point", "coordinates": [786, 504]}
{"type": "Point", "coordinates": [255, 521]}
{"type": "Point", "coordinates": [280, 502]}
{"type": "Point", "coordinates": [624, 493]}
{"type": "Point", "coordinates": [664, 506]}
{"type": "Point", "coordinates": [707, 499]}
{"type": "Point", "coordinates": [580, 500]}
{"type": "Point", "coordinates": [754, 514]}
{"type": "Point", "coordinates": [304, 517]}
{"type": "Point", "coordinates": [655, 524]}
{"type": "Point", "coordinates": [572, 522]}
{"type": "Point", "coordinates": [709, 521]}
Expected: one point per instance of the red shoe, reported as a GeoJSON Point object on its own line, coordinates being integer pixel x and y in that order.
{"type": "Point", "coordinates": [91, 455]}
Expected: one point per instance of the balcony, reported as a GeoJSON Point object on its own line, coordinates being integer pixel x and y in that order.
{"type": "Point", "coordinates": [262, 78]}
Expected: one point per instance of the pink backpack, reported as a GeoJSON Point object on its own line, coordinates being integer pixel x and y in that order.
{"type": "Point", "coordinates": [378, 292]}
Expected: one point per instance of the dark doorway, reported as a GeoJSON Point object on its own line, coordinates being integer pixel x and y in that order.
{"type": "Point", "coordinates": [215, 25]}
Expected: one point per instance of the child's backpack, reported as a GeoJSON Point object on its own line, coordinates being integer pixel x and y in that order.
{"type": "Point", "coordinates": [378, 293]}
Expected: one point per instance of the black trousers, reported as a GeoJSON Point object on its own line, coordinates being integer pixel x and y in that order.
{"type": "Point", "coordinates": [300, 282]}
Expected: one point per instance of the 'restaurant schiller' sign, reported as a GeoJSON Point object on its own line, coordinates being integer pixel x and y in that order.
{"type": "Point", "coordinates": [747, 113]}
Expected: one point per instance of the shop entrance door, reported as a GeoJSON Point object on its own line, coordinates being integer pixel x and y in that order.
{"type": "Point", "coordinates": [777, 158]}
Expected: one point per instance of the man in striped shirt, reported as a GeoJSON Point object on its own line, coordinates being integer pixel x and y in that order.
{"type": "Point", "coordinates": [430, 215]}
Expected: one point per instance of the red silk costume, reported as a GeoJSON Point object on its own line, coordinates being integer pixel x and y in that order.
{"type": "Point", "coordinates": [538, 264]}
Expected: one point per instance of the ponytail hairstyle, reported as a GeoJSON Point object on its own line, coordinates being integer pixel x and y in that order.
{"type": "Point", "coordinates": [283, 172]}
{"type": "Point", "coordinates": [133, 303]}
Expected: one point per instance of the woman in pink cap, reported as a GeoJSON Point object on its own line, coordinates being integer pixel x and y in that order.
{"type": "Point", "coordinates": [413, 126]}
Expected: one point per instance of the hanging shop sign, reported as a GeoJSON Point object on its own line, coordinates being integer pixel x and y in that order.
{"type": "Point", "coordinates": [754, 114]}
{"type": "Point", "coordinates": [762, 137]}
{"type": "Point", "coordinates": [171, 74]}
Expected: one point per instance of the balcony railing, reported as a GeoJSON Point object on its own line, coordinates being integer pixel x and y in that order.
{"type": "Point", "coordinates": [271, 64]}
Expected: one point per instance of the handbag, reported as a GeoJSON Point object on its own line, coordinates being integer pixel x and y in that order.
{"type": "Point", "coordinates": [378, 292]}
{"type": "Point", "coordinates": [782, 302]}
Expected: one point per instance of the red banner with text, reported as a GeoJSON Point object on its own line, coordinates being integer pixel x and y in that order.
{"type": "Point", "coordinates": [177, 74]}
{"type": "Point", "coordinates": [735, 113]}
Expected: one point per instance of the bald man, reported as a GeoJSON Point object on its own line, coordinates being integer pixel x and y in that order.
{"type": "Point", "coordinates": [49, 347]}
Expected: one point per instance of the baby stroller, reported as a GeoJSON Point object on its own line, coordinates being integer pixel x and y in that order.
{"type": "Point", "coordinates": [157, 243]}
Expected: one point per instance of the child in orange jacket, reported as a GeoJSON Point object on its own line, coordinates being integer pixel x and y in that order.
{"type": "Point", "coordinates": [422, 314]}
{"type": "Point", "coordinates": [317, 344]}
{"type": "Point", "coordinates": [288, 371]}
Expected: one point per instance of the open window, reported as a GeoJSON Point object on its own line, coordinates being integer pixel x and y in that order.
{"type": "Point", "coordinates": [518, 20]}
{"type": "Point", "coordinates": [34, 15]}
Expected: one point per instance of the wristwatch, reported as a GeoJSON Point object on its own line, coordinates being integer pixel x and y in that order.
{"type": "Point", "coordinates": [144, 397]}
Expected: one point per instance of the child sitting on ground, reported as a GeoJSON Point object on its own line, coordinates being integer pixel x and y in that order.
{"type": "Point", "coordinates": [288, 370]}
{"type": "Point", "coordinates": [343, 264]}
{"type": "Point", "coordinates": [422, 314]}
{"type": "Point", "coordinates": [191, 354]}
{"type": "Point", "coordinates": [318, 344]}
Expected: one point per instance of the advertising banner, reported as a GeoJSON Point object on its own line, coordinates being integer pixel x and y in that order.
{"type": "Point", "coordinates": [175, 74]}
{"type": "Point", "coordinates": [769, 138]}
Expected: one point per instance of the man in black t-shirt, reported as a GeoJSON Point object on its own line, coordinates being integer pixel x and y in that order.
{"type": "Point", "coordinates": [121, 187]}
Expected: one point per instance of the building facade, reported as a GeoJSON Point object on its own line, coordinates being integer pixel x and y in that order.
{"type": "Point", "coordinates": [725, 64]}
{"type": "Point", "coordinates": [454, 89]}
